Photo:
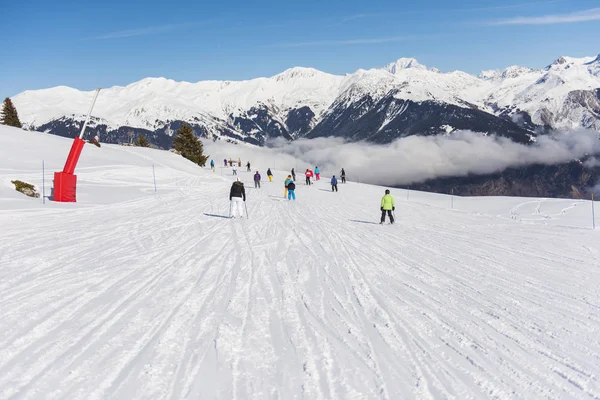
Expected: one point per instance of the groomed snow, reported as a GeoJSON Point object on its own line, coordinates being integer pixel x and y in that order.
{"type": "Point", "coordinates": [130, 294]}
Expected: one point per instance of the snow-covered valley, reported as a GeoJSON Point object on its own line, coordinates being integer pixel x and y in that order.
{"type": "Point", "coordinates": [132, 294]}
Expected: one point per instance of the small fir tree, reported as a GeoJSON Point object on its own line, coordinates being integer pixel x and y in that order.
{"type": "Point", "coordinates": [186, 143]}
{"type": "Point", "coordinates": [9, 115]}
{"type": "Point", "coordinates": [141, 141]}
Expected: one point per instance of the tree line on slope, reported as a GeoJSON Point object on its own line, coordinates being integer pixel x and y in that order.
{"type": "Point", "coordinates": [141, 141]}
{"type": "Point", "coordinates": [184, 142]}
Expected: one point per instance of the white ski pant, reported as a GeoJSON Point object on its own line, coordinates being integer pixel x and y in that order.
{"type": "Point", "coordinates": [237, 205]}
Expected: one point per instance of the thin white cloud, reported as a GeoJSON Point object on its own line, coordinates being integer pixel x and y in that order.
{"type": "Point", "coordinates": [360, 16]}
{"type": "Point", "coordinates": [343, 42]}
{"type": "Point", "coordinates": [509, 6]}
{"type": "Point", "coordinates": [151, 30]}
{"type": "Point", "coordinates": [578, 16]}
{"type": "Point", "coordinates": [354, 17]}
{"type": "Point", "coordinates": [138, 32]}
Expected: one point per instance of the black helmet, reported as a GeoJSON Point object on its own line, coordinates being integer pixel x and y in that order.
{"type": "Point", "coordinates": [387, 191]}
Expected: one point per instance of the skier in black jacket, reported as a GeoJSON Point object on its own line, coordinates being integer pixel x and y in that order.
{"type": "Point", "coordinates": [237, 195]}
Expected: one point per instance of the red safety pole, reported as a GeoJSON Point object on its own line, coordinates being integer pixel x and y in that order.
{"type": "Point", "coordinates": [65, 182]}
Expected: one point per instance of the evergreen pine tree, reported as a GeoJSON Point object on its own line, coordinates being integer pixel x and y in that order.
{"type": "Point", "coordinates": [189, 145]}
{"type": "Point", "coordinates": [141, 141]}
{"type": "Point", "coordinates": [9, 115]}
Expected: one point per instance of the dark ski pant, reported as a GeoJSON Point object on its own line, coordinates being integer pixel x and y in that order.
{"type": "Point", "coordinates": [389, 213]}
{"type": "Point", "coordinates": [334, 187]}
{"type": "Point", "coordinates": [343, 179]}
{"type": "Point", "coordinates": [308, 180]}
{"type": "Point", "coordinates": [257, 184]}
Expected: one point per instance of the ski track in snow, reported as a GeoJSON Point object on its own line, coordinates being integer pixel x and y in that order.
{"type": "Point", "coordinates": [152, 299]}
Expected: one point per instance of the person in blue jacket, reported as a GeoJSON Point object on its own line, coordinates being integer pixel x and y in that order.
{"type": "Point", "coordinates": [291, 188]}
{"type": "Point", "coordinates": [317, 174]}
{"type": "Point", "coordinates": [334, 184]}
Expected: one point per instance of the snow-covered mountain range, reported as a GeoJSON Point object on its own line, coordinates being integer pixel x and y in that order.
{"type": "Point", "coordinates": [379, 105]}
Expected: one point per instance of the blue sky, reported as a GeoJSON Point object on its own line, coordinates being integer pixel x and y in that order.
{"type": "Point", "coordinates": [107, 43]}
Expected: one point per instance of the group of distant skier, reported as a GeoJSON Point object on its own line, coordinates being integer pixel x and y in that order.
{"type": "Point", "coordinates": [237, 193]}
{"type": "Point", "coordinates": [231, 162]}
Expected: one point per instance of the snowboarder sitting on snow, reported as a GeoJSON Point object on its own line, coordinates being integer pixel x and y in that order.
{"type": "Point", "coordinates": [257, 180]}
{"type": "Point", "coordinates": [333, 184]}
{"type": "Point", "coordinates": [237, 195]}
{"type": "Point", "coordinates": [270, 175]}
{"type": "Point", "coordinates": [291, 188]}
{"type": "Point", "coordinates": [95, 141]}
{"type": "Point", "coordinates": [343, 175]}
{"type": "Point", "coordinates": [387, 205]}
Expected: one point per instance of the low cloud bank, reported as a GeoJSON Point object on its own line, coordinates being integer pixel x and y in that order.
{"type": "Point", "coordinates": [412, 159]}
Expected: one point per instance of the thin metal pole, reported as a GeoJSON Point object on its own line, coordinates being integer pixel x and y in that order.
{"type": "Point", "coordinates": [89, 114]}
{"type": "Point", "coordinates": [154, 176]}
{"type": "Point", "coordinates": [43, 184]}
{"type": "Point", "coordinates": [593, 216]}
{"type": "Point", "coordinates": [452, 200]}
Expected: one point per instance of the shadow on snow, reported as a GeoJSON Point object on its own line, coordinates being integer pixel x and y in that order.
{"type": "Point", "coordinates": [364, 222]}
{"type": "Point", "coordinates": [216, 215]}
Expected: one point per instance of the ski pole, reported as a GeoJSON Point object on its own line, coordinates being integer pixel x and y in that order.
{"type": "Point", "coordinates": [44, 184]}
{"type": "Point", "coordinates": [593, 216]}
{"type": "Point", "coordinates": [229, 208]}
{"type": "Point", "coordinates": [245, 205]}
{"type": "Point", "coordinates": [154, 176]}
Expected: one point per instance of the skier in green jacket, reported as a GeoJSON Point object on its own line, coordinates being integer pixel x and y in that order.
{"type": "Point", "coordinates": [387, 205]}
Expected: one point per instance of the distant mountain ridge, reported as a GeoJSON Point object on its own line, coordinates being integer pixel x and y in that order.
{"type": "Point", "coordinates": [401, 99]}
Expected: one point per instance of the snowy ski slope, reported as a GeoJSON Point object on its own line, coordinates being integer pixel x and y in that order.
{"type": "Point", "coordinates": [134, 295]}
